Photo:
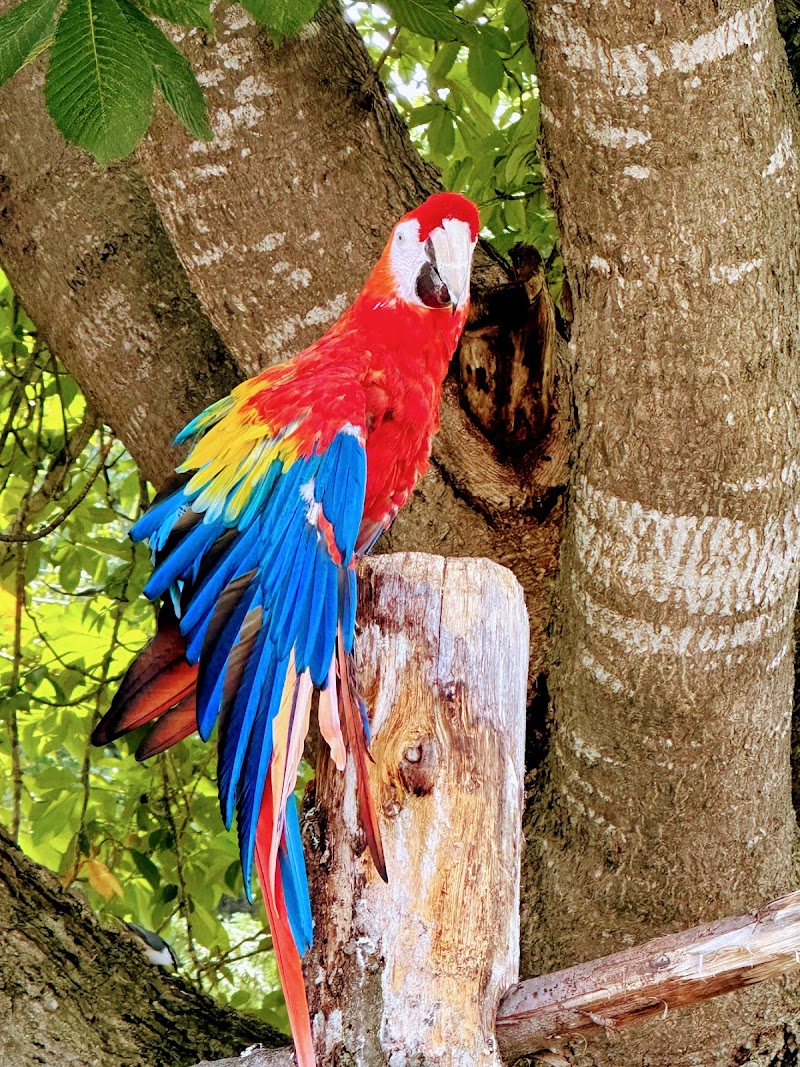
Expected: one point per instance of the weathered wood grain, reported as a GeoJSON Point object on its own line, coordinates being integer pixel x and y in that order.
{"type": "Point", "coordinates": [415, 969]}
{"type": "Point", "coordinates": [651, 979]}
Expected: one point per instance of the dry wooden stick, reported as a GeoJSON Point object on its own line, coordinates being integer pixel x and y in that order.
{"type": "Point", "coordinates": [669, 972]}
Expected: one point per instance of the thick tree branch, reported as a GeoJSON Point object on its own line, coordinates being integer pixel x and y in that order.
{"type": "Point", "coordinates": [669, 972]}
{"type": "Point", "coordinates": [71, 990]}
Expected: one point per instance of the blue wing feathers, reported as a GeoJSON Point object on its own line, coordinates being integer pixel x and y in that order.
{"type": "Point", "coordinates": [214, 659]}
{"type": "Point", "coordinates": [251, 701]}
{"type": "Point", "coordinates": [181, 560]}
{"type": "Point", "coordinates": [268, 553]}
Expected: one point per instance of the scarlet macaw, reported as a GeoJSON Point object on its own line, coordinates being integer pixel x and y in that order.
{"type": "Point", "coordinates": [289, 479]}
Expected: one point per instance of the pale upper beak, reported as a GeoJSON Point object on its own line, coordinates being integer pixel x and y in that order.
{"type": "Point", "coordinates": [453, 245]}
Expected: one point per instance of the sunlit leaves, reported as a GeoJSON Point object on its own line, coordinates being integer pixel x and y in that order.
{"type": "Point", "coordinates": [145, 842]}
{"type": "Point", "coordinates": [471, 99]}
{"type": "Point", "coordinates": [429, 18]}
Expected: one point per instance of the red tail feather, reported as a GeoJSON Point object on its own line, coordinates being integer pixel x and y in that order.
{"type": "Point", "coordinates": [159, 682]}
{"type": "Point", "coordinates": [286, 955]}
{"type": "Point", "coordinates": [171, 728]}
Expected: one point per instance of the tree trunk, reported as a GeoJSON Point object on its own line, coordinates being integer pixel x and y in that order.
{"type": "Point", "coordinates": [412, 971]}
{"type": "Point", "coordinates": [77, 995]}
{"type": "Point", "coordinates": [666, 799]}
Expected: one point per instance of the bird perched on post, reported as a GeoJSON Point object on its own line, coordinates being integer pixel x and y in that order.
{"type": "Point", "coordinates": [288, 481]}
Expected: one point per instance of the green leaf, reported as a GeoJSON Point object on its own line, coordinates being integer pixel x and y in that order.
{"type": "Point", "coordinates": [70, 572]}
{"type": "Point", "coordinates": [22, 29]}
{"type": "Point", "coordinates": [282, 18]}
{"type": "Point", "coordinates": [485, 69]}
{"type": "Point", "coordinates": [173, 74]}
{"type": "Point", "coordinates": [428, 18]}
{"type": "Point", "coordinates": [514, 211]}
{"type": "Point", "coordinates": [99, 85]}
{"type": "Point", "coordinates": [516, 20]}
{"type": "Point", "coordinates": [442, 134]}
{"type": "Point", "coordinates": [421, 116]}
{"type": "Point", "coordinates": [146, 868]}
{"type": "Point", "coordinates": [181, 12]}
{"type": "Point", "coordinates": [494, 37]}
{"type": "Point", "coordinates": [442, 62]}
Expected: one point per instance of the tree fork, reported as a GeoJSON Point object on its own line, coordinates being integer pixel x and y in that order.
{"type": "Point", "coordinates": [653, 979]}
{"type": "Point", "coordinates": [415, 968]}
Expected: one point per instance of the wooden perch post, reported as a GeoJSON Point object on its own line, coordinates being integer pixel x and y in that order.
{"type": "Point", "coordinates": [412, 972]}
{"type": "Point", "coordinates": [651, 979]}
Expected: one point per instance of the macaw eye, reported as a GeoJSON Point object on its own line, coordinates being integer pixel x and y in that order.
{"type": "Point", "coordinates": [400, 238]}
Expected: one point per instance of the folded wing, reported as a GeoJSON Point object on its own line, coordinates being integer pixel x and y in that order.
{"type": "Point", "coordinates": [254, 557]}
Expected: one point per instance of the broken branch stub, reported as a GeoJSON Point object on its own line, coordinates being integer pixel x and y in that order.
{"type": "Point", "coordinates": [412, 972]}
{"type": "Point", "coordinates": [675, 971]}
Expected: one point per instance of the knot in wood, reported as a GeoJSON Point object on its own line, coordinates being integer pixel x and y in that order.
{"type": "Point", "coordinates": [419, 766]}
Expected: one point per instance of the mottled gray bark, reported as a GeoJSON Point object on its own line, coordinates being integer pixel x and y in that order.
{"type": "Point", "coordinates": [666, 799]}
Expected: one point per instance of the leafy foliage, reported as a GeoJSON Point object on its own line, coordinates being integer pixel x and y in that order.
{"type": "Point", "coordinates": [99, 86]}
{"type": "Point", "coordinates": [471, 101]}
{"type": "Point", "coordinates": [22, 30]}
{"type": "Point", "coordinates": [171, 71]}
{"type": "Point", "coordinates": [429, 18]}
{"type": "Point", "coordinates": [145, 842]}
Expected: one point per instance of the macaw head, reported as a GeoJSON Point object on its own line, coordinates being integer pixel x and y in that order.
{"type": "Point", "coordinates": [429, 255]}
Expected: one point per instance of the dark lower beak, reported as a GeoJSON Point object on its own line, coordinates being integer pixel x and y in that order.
{"type": "Point", "coordinates": [431, 290]}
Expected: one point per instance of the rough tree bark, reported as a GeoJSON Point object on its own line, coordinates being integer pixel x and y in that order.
{"type": "Point", "coordinates": [666, 799]}
{"type": "Point", "coordinates": [77, 995]}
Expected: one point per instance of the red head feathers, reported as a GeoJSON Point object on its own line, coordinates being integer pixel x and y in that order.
{"type": "Point", "coordinates": [441, 206]}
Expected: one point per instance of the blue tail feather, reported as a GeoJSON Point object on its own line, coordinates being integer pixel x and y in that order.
{"type": "Point", "coordinates": [213, 661]}
{"type": "Point", "coordinates": [251, 702]}
{"type": "Point", "coordinates": [259, 753]}
{"type": "Point", "coordinates": [295, 880]}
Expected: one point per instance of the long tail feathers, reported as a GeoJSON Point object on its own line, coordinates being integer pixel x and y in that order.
{"type": "Point", "coordinates": [358, 745]}
{"type": "Point", "coordinates": [270, 875]}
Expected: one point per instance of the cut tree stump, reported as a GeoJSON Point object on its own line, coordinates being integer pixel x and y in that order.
{"type": "Point", "coordinates": [412, 972]}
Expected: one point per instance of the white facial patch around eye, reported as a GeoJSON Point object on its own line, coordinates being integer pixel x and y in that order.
{"type": "Point", "coordinates": [406, 255]}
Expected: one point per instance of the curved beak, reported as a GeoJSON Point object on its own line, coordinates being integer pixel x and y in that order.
{"type": "Point", "coordinates": [452, 258]}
